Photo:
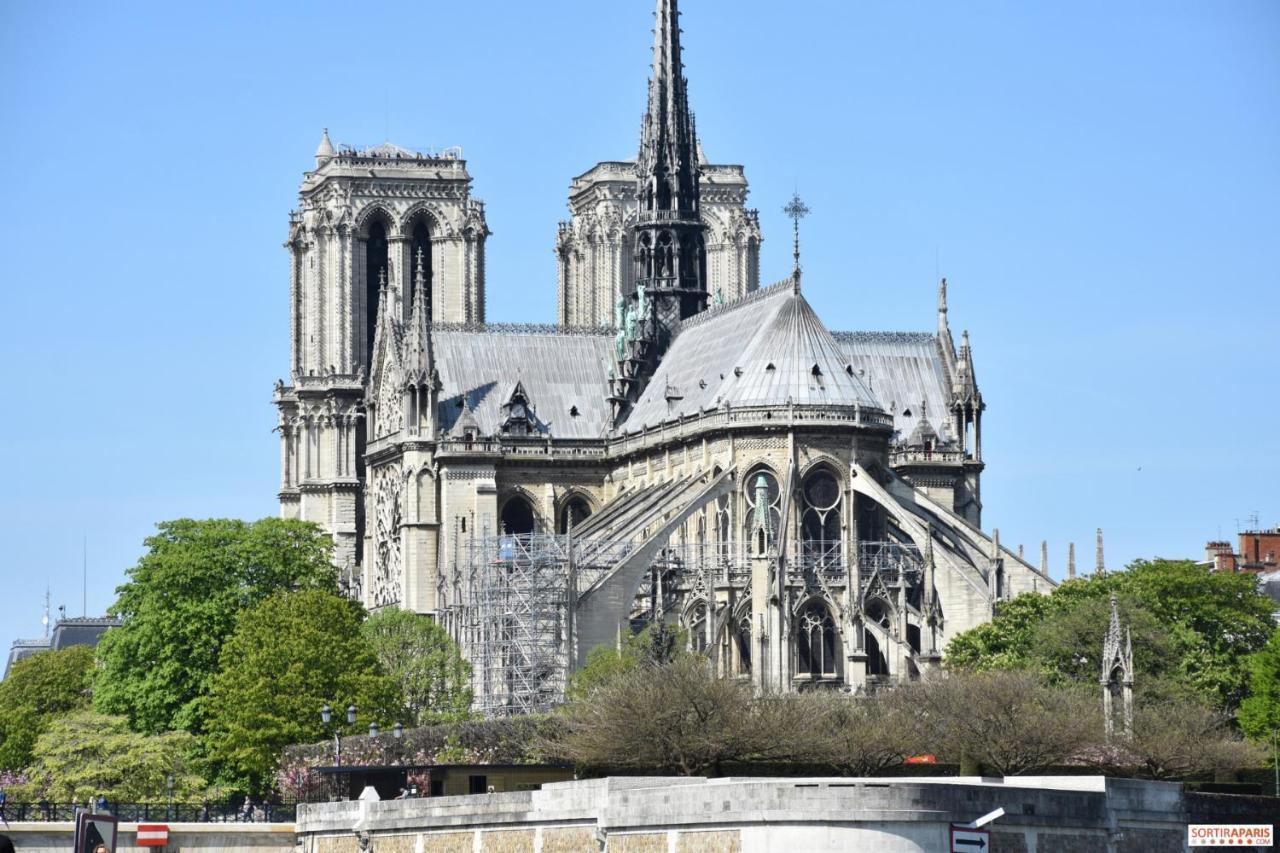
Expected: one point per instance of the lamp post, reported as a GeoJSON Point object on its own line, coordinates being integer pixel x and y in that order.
{"type": "Point", "coordinates": [326, 717]}
{"type": "Point", "coordinates": [168, 784]}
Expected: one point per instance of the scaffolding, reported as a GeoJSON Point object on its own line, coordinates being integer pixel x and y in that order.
{"type": "Point", "coordinates": [523, 592]}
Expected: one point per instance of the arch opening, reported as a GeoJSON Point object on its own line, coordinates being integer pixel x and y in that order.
{"type": "Point", "coordinates": [517, 516]}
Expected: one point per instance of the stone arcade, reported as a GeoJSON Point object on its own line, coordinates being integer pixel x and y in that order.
{"type": "Point", "coordinates": [805, 503]}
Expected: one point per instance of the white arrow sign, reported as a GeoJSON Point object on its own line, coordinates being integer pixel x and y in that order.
{"type": "Point", "coordinates": [969, 840]}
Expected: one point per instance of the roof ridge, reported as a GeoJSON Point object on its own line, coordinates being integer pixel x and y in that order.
{"type": "Point", "coordinates": [525, 329]}
{"type": "Point", "coordinates": [891, 337]}
{"type": "Point", "coordinates": [720, 310]}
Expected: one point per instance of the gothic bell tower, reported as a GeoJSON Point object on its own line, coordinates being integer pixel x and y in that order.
{"type": "Point", "coordinates": [382, 235]}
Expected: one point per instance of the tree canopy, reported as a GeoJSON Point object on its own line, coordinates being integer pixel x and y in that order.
{"type": "Point", "coordinates": [180, 603]}
{"type": "Point", "coordinates": [84, 754]}
{"type": "Point", "coordinates": [287, 657]}
{"type": "Point", "coordinates": [1189, 625]}
{"type": "Point", "coordinates": [36, 691]}
{"type": "Point", "coordinates": [424, 661]}
{"type": "Point", "coordinates": [1260, 713]}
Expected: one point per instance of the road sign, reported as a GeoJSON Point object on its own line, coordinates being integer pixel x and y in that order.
{"type": "Point", "coordinates": [965, 840]}
{"type": "Point", "coordinates": [153, 834]}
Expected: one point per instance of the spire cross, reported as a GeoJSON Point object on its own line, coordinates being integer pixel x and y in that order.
{"type": "Point", "coordinates": [796, 209]}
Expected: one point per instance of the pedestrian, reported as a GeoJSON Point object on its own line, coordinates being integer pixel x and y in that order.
{"type": "Point", "coordinates": [101, 804]}
{"type": "Point", "coordinates": [4, 799]}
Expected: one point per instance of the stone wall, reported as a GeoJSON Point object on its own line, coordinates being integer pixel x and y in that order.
{"type": "Point", "coordinates": [57, 837]}
{"type": "Point", "coordinates": [680, 815]}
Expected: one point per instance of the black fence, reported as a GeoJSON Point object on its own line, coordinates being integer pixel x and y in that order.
{"type": "Point", "coordinates": [235, 810]}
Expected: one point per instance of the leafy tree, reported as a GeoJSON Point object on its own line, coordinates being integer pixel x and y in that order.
{"type": "Point", "coordinates": [1007, 721]}
{"type": "Point", "coordinates": [677, 718]}
{"type": "Point", "coordinates": [1226, 617]}
{"type": "Point", "coordinates": [1174, 738]}
{"type": "Point", "coordinates": [84, 754]}
{"type": "Point", "coordinates": [856, 735]}
{"type": "Point", "coordinates": [287, 657]}
{"type": "Point", "coordinates": [37, 690]}
{"type": "Point", "coordinates": [421, 657]}
{"type": "Point", "coordinates": [1260, 713]}
{"type": "Point", "coordinates": [1188, 624]}
{"type": "Point", "coordinates": [180, 603]}
{"type": "Point", "coordinates": [654, 646]}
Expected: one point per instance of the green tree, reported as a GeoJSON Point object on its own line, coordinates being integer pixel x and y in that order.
{"type": "Point", "coordinates": [656, 645]}
{"type": "Point", "coordinates": [36, 691]}
{"type": "Point", "coordinates": [421, 657]}
{"type": "Point", "coordinates": [1260, 712]}
{"type": "Point", "coordinates": [672, 718]}
{"type": "Point", "coordinates": [287, 657]}
{"type": "Point", "coordinates": [180, 603]}
{"type": "Point", "coordinates": [1189, 625]}
{"type": "Point", "coordinates": [84, 754]}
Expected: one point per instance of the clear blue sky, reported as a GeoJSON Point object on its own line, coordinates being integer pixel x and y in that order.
{"type": "Point", "coordinates": [1097, 180]}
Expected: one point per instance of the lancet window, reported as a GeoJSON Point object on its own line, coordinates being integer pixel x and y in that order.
{"type": "Point", "coordinates": [820, 519]}
{"type": "Point", "coordinates": [375, 256]}
{"type": "Point", "coordinates": [817, 644]}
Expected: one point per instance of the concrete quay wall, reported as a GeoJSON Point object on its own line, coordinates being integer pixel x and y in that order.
{"type": "Point", "coordinates": [750, 815]}
{"type": "Point", "coordinates": [57, 837]}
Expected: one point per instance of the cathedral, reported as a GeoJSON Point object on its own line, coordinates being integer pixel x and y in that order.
{"type": "Point", "coordinates": [684, 446]}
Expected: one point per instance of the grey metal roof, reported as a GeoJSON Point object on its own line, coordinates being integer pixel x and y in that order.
{"type": "Point", "coordinates": [902, 369]}
{"type": "Point", "coordinates": [766, 349]}
{"type": "Point", "coordinates": [560, 372]}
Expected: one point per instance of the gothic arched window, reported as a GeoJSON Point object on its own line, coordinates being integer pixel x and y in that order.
{"type": "Point", "coordinates": [817, 646]}
{"type": "Point", "coordinates": [375, 271]}
{"type": "Point", "coordinates": [517, 516]}
{"type": "Point", "coordinates": [820, 521]}
{"type": "Point", "coordinates": [420, 247]}
{"type": "Point", "coordinates": [576, 509]}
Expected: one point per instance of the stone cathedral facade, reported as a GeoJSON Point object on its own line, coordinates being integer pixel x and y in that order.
{"type": "Point", "coordinates": [684, 445]}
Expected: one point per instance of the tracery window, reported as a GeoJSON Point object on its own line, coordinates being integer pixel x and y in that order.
{"type": "Point", "coordinates": [817, 645]}
{"type": "Point", "coordinates": [820, 521]}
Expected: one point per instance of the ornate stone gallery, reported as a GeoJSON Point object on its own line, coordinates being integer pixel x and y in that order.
{"type": "Point", "coordinates": [686, 446]}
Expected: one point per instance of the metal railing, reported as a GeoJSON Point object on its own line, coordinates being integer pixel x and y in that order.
{"type": "Point", "coordinates": [226, 811]}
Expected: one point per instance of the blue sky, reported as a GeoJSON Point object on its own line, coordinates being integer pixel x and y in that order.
{"type": "Point", "coordinates": [1097, 180]}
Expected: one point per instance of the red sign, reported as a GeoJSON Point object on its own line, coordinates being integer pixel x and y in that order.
{"type": "Point", "coordinates": [153, 834]}
{"type": "Point", "coordinates": [922, 759]}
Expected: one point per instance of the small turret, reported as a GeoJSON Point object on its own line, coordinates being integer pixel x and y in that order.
{"type": "Point", "coordinates": [324, 151]}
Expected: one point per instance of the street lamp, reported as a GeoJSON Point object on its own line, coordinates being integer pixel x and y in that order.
{"type": "Point", "coordinates": [373, 731]}
{"type": "Point", "coordinates": [168, 783]}
{"type": "Point", "coordinates": [326, 717]}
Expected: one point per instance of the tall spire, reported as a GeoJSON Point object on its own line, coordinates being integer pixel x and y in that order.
{"type": "Point", "coordinates": [418, 356]}
{"type": "Point", "coordinates": [1071, 561]}
{"type": "Point", "coordinates": [668, 159]}
{"type": "Point", "coordinates": [669, 250]}
{"type": "Point", "coordinates": [1099, 566]}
